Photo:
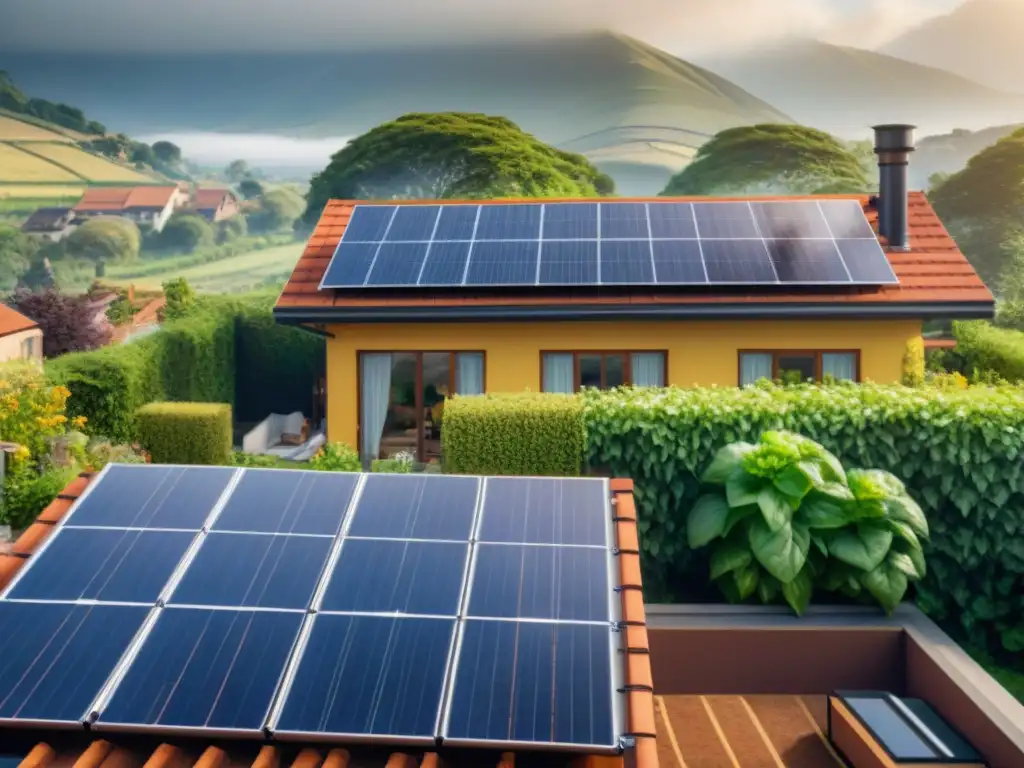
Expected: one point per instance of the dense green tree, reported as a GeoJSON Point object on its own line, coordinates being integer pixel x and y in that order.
{"type": "Point", "coordinates": [12, 99]}
{"type": "Point", "coordinates": [231, 228]}
{"type": "Point", "coordinates": [17, 251]}
{"type": "Point", "coordinates": [180, 296]}
{"type": "Point", "coordinates": [771, 158]}
{"type": "Point", "coordinates": [236, 170]}
{"type": "Point", "coordinates": [250, 188]}
{"type": "Point", "coordinates": [278, 209]}
{"type": "Point", "coordinates": [167, 153]}
{"type": "Point", "coordinates": [107, 238]}
{"type": "Point", "coordinates": [452, 155]}
{"type": "Point", "coordinates": [39, 276]}
{"type": "Point", "coordinates": [186, 232]}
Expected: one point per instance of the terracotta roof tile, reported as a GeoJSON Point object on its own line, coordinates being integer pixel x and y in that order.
{"type": "Point", "coordinates": [934, 270]}
{"type": "Point", "coordinates": [12, 321]}
{"type": "Point", "coordinates": [59, 749]}
{"type": "Point", "coordinates": [209, 198]}
{"type": "Point", "coordinates": [123, 198]}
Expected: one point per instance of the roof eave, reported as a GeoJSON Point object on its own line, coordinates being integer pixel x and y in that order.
{"type": "Point", "coordinates": [955, 310]}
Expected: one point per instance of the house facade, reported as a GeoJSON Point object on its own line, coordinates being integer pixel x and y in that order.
{"type": "Point", "coordinates": [21, 338]}
{"type": "Point", "coordinates": [146, 206]}
{"type": "Point", "coordinates": [394, 355]}
{"type": "Point", "coordinates": [50, 224]}
{"type": "Point", "coordinates": [214, 204]}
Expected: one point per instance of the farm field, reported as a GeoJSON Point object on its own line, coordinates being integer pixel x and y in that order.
{"type": "Point", "coordinates": [89, 166]}
{"type": "Point", "coordinates": [16, 165]}
{"type": "Point", "coordinates": [19, 130]}
{"type": "Point", "coordinates": [238, 273]}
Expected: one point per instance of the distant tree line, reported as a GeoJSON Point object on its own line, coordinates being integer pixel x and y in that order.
{"type": "Point", "coordinates": [13, 100]}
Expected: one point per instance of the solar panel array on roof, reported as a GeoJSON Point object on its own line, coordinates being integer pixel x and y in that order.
{"type": "Point", "coordinates": [332, 606]}
{"type": "Point", "coordinates": [799, 242]}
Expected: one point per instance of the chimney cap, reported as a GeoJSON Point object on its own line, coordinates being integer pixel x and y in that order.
{"type": "Point", "coordinates": [894, 137]}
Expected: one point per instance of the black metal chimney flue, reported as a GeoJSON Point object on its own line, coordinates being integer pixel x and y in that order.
{"type": "Point", "coordinates": [893, 145]}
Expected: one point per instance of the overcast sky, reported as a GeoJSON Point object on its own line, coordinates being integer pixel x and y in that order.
{"type": "Point", "coordinates": [681, 26]}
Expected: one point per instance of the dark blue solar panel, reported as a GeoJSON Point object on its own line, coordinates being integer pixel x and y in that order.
{"type": "Point", "coordinates": [374, 576]}
{"type": "Point", "coordinates": [456, 223]}
{"type": "Point", "coordinates": [543, 511]}
{"type": "Point", "coordinates": [398, 264]}
{"type": "Point", "coordinates": [57, 657]}
{"type": "Point", "coordinates": [152, 496]}
{"type": "Point", "coordinates": [678, 261]}
{"type": "Point", "coordinates": [368, 223]}
{"type": "Point", "coordinates": [846, 219]}
{"type": "Point", "coordinates": [416, 506]}
{"type": "Point", "coordinates": [570, 221]}
{"type": "Point", "coordinates": [370, 676]}
{"type": "Point", "coordinates": [553, 684]}
{"type": "Point", "coordinates": [533, 582]}
{"type": "Point", "coordinates": [413, 222]}
{"type": "Point", "coordinates": [350, 265]}
{"type": "Point", "coordinates": [202, 668]}
{"type": "Point", "coordinates": [292, 501]}
{"type": "Point", "coordinates": [509, 222]}
{"type": "Point", "coordinates": [568, 262]}
{"type": "Point", "coordinates": [786, 220]}
{"type": "Point", "coordinates": [672, 220]}
{"type": "Point", "coordinates": [737, 261]}
{"type": "Point", "coordinates": [254, 571]}
{"type": "Point", "coordinates": [507, 263]}
{"type": "Point", "coordinates": [724, 220]}
{"type": "Point", "coordinates": [445, 264]}
{"type": "Point", "coordinates": [807, 261]}
{"type": "Point", "coordinates": [108, 565]}
{"type": "Point", "coordinates": [866, 261]}
{"type": "Point", "coordinates": [624, 221]}
{"type": "Point", "coordinates": [626, 262]}
{"type": "Point", "coordinates": [891, 730]}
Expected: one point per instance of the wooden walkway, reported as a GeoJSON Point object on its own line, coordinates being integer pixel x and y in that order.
{"type": "Point", "coordinates": [743, 732]}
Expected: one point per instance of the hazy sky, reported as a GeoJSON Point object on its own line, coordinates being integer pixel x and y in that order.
{"type": "Point", "coordinates": [680, 26]}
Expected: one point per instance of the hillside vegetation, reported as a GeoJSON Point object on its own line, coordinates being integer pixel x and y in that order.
{"type": "Point", "coordinates": [13, 100]}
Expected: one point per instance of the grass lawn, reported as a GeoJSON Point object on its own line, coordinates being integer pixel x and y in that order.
{"type": "Point", "coordinates": [237, 273]}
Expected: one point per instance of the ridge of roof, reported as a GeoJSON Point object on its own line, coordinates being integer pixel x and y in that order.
{"type": "Point", "coordinates": [91, 752]}
{"type": "Point", "coordinates": [934, 278]}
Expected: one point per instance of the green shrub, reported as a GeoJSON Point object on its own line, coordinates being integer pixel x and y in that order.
{"type": "Point", "coordinates": [786, 518]}
{"type": "Point", "coordinates": [336, 457]}
{"type": "Point", "coordinates": [27, 493]}
{"type": "Point", "coordinates": [391, 465]}
{"type": "Point", "coordinates": [913, 363]}
{"type": "Point", "coordinates": [242, 459]}
{"type": "Point", "coordinates": [186, 433]}
{"type": "Point", "coordinates": [982, 350]}
{"type": "Point", "coordinates": [526, 433]}
{"type": "Point", "coordinates": [960, 454]}
{"type": "Point", "coordinates": [99, 452]}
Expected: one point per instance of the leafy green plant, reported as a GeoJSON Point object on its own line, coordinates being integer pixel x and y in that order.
{"type": "Point", "coordinates": [401, 462]}
{"type": "Point", "coordinates": [186, 433]}
{"type": "Point", "coordinates": [99, 452]}
{"type": "Point", "coordinates": [785, 518]}
{"type": "Point", "coordinates": [27, 493]}
{"type": "Point", "coordinates": [336, 457]}
{"type": "Point", "coordinates": [242, 459]}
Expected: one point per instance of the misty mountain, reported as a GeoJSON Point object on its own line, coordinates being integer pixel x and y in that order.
{"type": "Point", "coordinates": [635, 110]}
{"type": "Point", "coordinates": [980, 39]}
{"type": "Point", "coordinates": [846, 90]}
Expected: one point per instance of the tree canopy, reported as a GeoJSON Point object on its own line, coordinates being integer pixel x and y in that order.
{"type": "Point", "coordinates": [107, 238]}
{"type": "Point", "coordinates": [278, 209]}
{"type": "Point", "coordinates": [452, 155]}
{"type": "Point", "coordinates": [773, 158]}
{"type": "Point", "coordinates": [66, 321]}
{"type": "Point", "coordinates": [17, 250]}
{"type": "Point", "coordinates": [236, 170]}
{"type": "Point", "coordinates": [186, 232]}
{"type": "Point", "coordinates": [250, 188]}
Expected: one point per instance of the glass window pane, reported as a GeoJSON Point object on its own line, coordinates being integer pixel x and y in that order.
{"type": "Point", "coordinates": [647, 369]}
{"type": "Point", "coordinates": [755, 366]}
{"type": "Point", "coordinates": [558, 374]}
{"type": "Point", "coordinates": [614, 371]}
{"type": "Point", "coordinates": [841, 366]}
{"type": "Point", "coordinates": [590, 370]}
{"type": "Point", "coordinates": [794, 369]}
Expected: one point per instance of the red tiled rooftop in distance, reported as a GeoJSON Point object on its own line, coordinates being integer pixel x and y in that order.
{"type": "Point", "coordinates": [58, 750]}
{"type": "Point", "coordinates": [933, 270]}
{"type": "Point", "coordinates": [208, 198]}
{"type": "Point", "coordinates": [123, 198]}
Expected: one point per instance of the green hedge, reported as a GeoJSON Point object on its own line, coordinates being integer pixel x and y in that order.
{"type": "Point", "coordinates": [186, 433]}
{"type": "Point", "coordinates": [982, 347]}
{"type": "Point", "coordinates": [960, 453]}
{"type": "Point", "coordinates": [517, 434]}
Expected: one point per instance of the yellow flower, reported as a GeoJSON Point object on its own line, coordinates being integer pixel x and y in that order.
{"type": "Point", "coordinates": [22, 453]}
{"type": "Point", "coordinates": [78, 422]}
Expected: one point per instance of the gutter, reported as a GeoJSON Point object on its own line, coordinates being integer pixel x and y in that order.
{"type": "Point", "coordinates": [980, 310]}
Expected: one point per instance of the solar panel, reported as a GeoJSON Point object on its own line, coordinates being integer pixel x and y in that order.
{"type": "Point", "coordinates": [285, 501]}
{"type": "Point", "coordinates": [607, 243]}
{"type": "Point", "coordinates": [416, 506]}
{"type": "Point", "coordinates": [544, 511]}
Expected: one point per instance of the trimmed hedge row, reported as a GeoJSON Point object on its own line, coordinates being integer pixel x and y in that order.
{"type": "Point", "coordinates": [186, 433]}
{"type": "Point", "coordinates": [983, 347]}
{"type": "Point", "coordinates": [527, 433]}
{"type": "Point", "coordinates": [960, 454]}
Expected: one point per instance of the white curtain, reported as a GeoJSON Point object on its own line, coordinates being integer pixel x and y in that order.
{"type": "Point", "coordinates": [755, 366]}
{"type": "Point", "coordinates": [558, 372]}
{"type": "Point", "coordinates": [648, 369]}
{"type": "Point", "coordinates": [375, 392]}
{"type": "Point", "coordinates": [841, 366]}
{"type": "Point", "coordinates": [469, 373]}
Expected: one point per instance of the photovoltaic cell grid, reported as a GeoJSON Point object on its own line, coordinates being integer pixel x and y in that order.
{"type": "Point", "coordinates": [435, 607]}
{"type": "Point", "coordinates": [805, 242]}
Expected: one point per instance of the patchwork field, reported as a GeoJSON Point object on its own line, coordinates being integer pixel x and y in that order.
{"type": "Point", "coordinates": [18, 130]}
{"type": "Point", "coordinates": [89, 167]}
{"type": "Point", "coordinates": [16, 165]}
{"type": "Point", "coordinates": [14, 195]}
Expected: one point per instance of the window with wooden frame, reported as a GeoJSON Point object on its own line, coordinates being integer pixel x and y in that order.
{"type": "Point", "coordinates": [798, 365]}
{"type": "Point", "coordinates": [570, 371]}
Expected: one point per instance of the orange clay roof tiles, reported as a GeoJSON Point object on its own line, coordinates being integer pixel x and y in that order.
{"type": "Point", "coordinates": [46, 749]}
{"type": "Point", "coordinates": [12, 321]}
{"type": "Point", "coordinates": [932, 271]}
{"type": "Point", "coordinates": [124, 198]}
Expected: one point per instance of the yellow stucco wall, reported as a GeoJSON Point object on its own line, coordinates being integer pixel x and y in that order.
{"type": "Point", "coordinates": [699, 353]}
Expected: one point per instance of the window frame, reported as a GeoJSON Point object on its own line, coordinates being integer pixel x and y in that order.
{"type": "Point", "coordinates": [418, 392]}
{"type": "Point", "coordinates": [627, 363]}
{"type": "Point", "coordinates": [815, 353]}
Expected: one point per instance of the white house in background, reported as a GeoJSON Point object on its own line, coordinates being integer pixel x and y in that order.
{"type": "Point", "coordinates": [50, 224]}
{"type": "Point", "coordinates": [21, 338]}
{"type": "Point", "coordinates": [151, 206]}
